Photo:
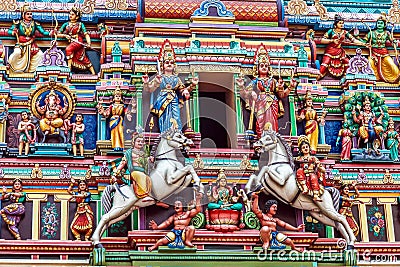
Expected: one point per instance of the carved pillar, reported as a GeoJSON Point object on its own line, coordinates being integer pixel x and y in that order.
{"type": "Point", "coordinates": [64, 219]}
{"type": "Point", "coordinates": [36, 198]}
{"type": "Point", "coordinates": [238, 107]}
{"type": "Point", "coordinates": [292, 106]}
{"type": "Point", "coordinates": [195, 110]}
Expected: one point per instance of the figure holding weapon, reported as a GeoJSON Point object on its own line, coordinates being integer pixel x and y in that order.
{"type": "Point", "coordinates": [265, 93]}
{"type": "Point", "coordinates": [75, 32]}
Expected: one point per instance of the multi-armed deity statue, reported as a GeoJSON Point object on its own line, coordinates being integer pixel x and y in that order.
{"type": "Point", "coordinates": [172, 92]}
{"type": "Point", "coordinates": [264, 94]}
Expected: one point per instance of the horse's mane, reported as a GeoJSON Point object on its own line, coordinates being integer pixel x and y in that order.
{"type": "Point", "coordinates": [165, 134]}
{"type": "Point", "coordinates": [286, 146]}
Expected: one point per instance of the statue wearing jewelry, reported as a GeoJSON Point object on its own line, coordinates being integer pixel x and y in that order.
{"type": "Point", "coordinates": [26, 56]}
{"type": "Point", "coordinates": [264, 94]}
{"type": "Point", "coordinates": [172, 92]}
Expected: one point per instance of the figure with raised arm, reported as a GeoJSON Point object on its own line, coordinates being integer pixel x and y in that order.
{"type": "Point", "coordinates": [335, 61]}
{"type": "Point", "coordinates": [27, 56]}
{"type": "Point", "coordinates": [75, 32]}
{"type": "Point", "coordinates": [269, 236]}
{"type": "Point", "coordinates": [346, 202]}
{"type": "Point", "coordinates": [172, 91]}
{"type": "Point", "coordinates": [13, 212]}
{"type": "Point", "coordinates": [82, 224]}
{"type": "Point", "coordinates": [264, 94]}
{"type": "Point", "coordinates": [182, 234]}
{"type": "Point", "coordinates": [370, 125]}
{"type": "Point", "coordinates": [380, 60]}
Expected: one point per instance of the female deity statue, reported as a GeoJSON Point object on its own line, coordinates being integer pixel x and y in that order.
{"type": "Point", "coordinates": [347, 143]}
{"type": "Point", "coordinates": [172, 91]}
{"type": "Point", "coordinates": [311, 118]}
{"type": "Point", "coordinates": [346, 202]}
{"type": "Point", "coordinates": [264, 94]}
{"type": "Point", "coordinates": [75, 32]}
{"type": "Point", "coordinates": [221, 195]}
{"type": "Point", "coordinates": [116, 112]}
{"type": "Point", "coordinates": [392, 140]}
{"type": "Point", "coordinates": [13, 212]}
{"type": "Point", "coordinates": [311, 171]}
{"type": "Point", "coordinates": [52, 113]}
{"type": "Point", "coordinates": [136, 161]}
{"type": "Point", "coordinates": [26, 56]}
{"type": "Point", "coordinates": [380, 60]}
{"type": "Point", "coordinates": [82, 224]}
{"type": "Point", "coordinates": [335, 60]}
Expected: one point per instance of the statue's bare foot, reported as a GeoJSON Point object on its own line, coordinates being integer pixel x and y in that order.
{"type": "Point", "coordinates": [152, 248]}
{"type": "Point", "coordinates": [189, 244]}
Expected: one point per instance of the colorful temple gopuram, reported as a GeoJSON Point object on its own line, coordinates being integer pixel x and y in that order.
{"type": "Point", "coordinates": [199, 133]}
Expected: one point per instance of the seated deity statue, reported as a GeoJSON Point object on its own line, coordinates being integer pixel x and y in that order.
{"type": "Point", "coordinates": [221, 195]}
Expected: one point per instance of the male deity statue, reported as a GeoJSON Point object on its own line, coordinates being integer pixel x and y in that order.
{"type": "Point", "coordinates": [264, 94]}
{"type": "Point", "coordinates": [27, 55]}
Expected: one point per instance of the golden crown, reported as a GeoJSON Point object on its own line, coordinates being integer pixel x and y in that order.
{"type": "Point", "coordinates": [302, 138]}
{"type": "Point", "coordinates": [221, 175]}
{"type": "Point", "coordinates": [25, 8]}
{"type": "Point", "coordinates": [166, 51]}
{"type": "Point", "coordinates": [117, 91]}
{"type": "Point", "coordinates": [366, 100]}
{"type": "Point", "coordinates": [262, 56]}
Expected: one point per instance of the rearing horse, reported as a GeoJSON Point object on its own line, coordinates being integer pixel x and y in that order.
{"type": "Point", "coordinates": [167, 178]}
{"type": "Point", "coordinates": [278, 178]}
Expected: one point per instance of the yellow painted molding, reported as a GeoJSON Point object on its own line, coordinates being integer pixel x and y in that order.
{"type": "Point", "coordinates": [64, 219]}
{"type": "Point", "coordinates": [36, 219]}
{"type": "Point", "coordinates": [389, 223]}
{"type": "Point", "coordinates": [62, 197]}
{"type": "Point", "coordinates": [365, 200]}
{"type": "Point", "coordinates": [34, 197]}
{"type": "Point", "coordinates": [386, 200]}
{"type": "Point", "coordinates": [362, 210]}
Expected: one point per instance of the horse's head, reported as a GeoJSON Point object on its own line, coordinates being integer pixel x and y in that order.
{"type": "Point", "coordinates": [267, 142]}
{"type": "Point", "coordinates": [176, 139]}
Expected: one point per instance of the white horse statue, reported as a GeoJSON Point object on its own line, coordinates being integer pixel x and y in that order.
{"type": "Point", "coordinates": [278, 178]}
{"type": "Point", "coordinates": [168, 177]}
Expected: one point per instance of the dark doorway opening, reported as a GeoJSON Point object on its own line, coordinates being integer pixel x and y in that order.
{"type": "Point", "coordinates": [213, 121]}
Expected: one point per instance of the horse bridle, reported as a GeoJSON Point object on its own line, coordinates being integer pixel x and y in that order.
{"type": "Point", "coordinates": [166, 152]}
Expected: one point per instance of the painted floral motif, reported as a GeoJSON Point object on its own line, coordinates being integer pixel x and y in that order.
{"type": "Point", "coordinates": [50, 221]}
{"type": "Point", "coordinates": [376, 222]}
{"type": "Point", "coordinates": [312, 225]}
